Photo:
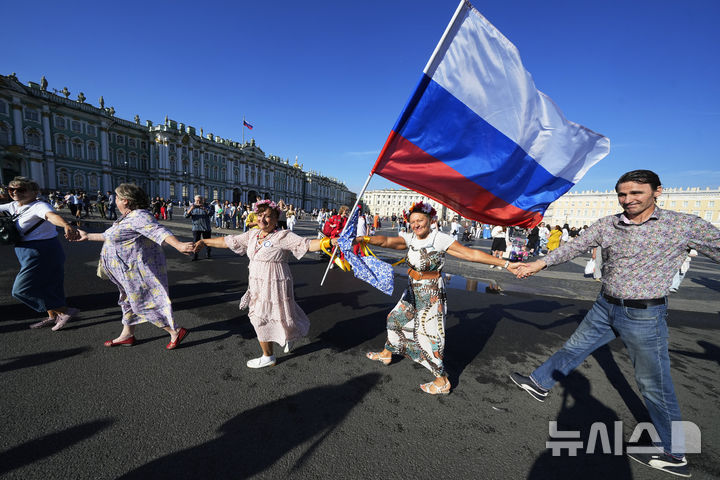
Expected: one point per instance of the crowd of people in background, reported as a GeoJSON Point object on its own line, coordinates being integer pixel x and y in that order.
{"type": "Point", "coordinates": [132, 257]}
{"type": "Point", "coordinates": [515, 243]}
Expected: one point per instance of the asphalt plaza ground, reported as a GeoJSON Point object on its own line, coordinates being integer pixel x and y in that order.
{"type": "Point", "coordinates": [75, 409]}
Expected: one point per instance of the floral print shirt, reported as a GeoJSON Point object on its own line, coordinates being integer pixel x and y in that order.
{"type": "Point", "coordinates": [640, 260]}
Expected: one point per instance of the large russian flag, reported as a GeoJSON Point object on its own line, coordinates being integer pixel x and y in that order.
{"type": "Point", "coordinates": [478, 136]}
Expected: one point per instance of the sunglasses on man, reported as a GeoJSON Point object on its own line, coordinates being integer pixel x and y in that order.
{"type": "Point", "coordinates": [16, 189]}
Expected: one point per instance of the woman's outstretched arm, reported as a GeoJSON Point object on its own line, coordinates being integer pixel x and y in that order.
{"type": "Point", "coordinates": [215, 242]}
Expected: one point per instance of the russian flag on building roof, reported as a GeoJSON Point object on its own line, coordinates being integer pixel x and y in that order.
{"type": "Point", "coordinates": [477, 136]}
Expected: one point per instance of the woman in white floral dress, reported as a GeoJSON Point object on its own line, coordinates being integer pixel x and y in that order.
{"type": "Point", "coordinates": [270, 296]}
{"type": "Point", "coordinates": [416, 326]}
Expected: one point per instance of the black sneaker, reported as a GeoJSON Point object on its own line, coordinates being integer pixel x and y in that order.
{"type": "Point", "coordinates": [664, 462]}
{"type": "Point", "coordinates": [527, 384]}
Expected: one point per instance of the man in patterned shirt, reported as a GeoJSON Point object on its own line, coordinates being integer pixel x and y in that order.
{"type": "Point", "coordinates": [642, 248]}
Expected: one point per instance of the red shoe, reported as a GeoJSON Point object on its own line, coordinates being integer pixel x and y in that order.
{"type": "Point", "coordinates": [128, 342]}
{"type": "Point", "coordinates": [181, 334]}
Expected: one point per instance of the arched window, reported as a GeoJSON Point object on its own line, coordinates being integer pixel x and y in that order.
{"type": "Point", "coordinates": [63, 179]}
{"type": "Point", "coordinates": [215, 173]}
{"type": "Point", "coordinates": [93, 182]}
{"type": "Point", "coordinates": [133, 160]}
{"type": "Point", "coordinates": [215, 194]}
{"type": "Point", "coordinates": [77, 149]}
{"type": "Point", "coordinates": [79, 180]}
{"type": "Point", "coordinates": [33, 139]}
{"type": "Point", "coordinates": [61, 146]}
{"type": "Point", "coordinates": [207, 171]}
{"type": "Point", "coordinates": [173, 164]}
{"type": "Point", "coordinates": [236, 175]}
{"type": "Point", "coordinates": [92, 151]}
{"type": "Point", "coordinates": [185, 167]}
{"type": "Point", "coordinates": [172, 190]}
{"type": "Point", "coordinates": [196, 169]}
{"type": "Point", "coordinates": [4, 134]}
{"type": "Point", "coordinates": [222, 174]}
{"type": "Point", "coordinates": [120, 158]}
{"type": "Point", "coordinates": [144, 162]}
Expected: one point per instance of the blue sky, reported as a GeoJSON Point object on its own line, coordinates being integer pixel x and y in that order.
{"type": "Point", "coordinates": [326, 81]}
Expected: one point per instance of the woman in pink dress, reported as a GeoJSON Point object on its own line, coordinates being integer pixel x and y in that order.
{"type": "Point", "coordinates": [133, 258]}
{"type": "Point", "coordinates": [270, 297]}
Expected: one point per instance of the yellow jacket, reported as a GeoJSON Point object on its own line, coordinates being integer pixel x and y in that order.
{"type": "Point", "coordinates": [554, 240]}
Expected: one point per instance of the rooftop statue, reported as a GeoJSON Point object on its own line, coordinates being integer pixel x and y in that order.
{"type": "Point", "coordinates": [65, 92]}
{"type": "Point", "coordinates": [137, 119]}
{"type": "Point", "coordinates": [111, 111]}
{"type": "Point", "coordinates": [102, 102]}
{"type": "Point", "coordinates": [81, 97]}
{"type": "Point", "coordinates": [43, 83]}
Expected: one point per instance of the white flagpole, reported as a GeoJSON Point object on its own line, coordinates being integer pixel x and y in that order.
{"type": "Point", "coordinates": [334, 252]}
{"type": "Point", "coordinates": [243, 130]}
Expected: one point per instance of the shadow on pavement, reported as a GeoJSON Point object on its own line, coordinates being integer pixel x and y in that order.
{"type": "Point", "coordinates": [256, 439]}
{"type": "Point", "coordinates": [49, 445]}
{"type": "Point", "coordinates": [617, 379]}
{"type": "Point", "coordinates": [476, 326]}
{"type": "Point", "coordinates": [239, 325]}
{"type": "Point", "coordinates": [579, 415]}
{"type": "Point", "coordinates": [712, 352]}
{"type": "Point", "coordinates": [35, 359]}
{"type": "Point", "coordinates": [353, 332]}
{"type": "Point", "coordinates": [708, 282]}
{"type": "Point", "coordinates": [345, 299]}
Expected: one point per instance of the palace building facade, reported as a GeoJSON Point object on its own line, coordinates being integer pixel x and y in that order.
{"type": "Point", "coordinates": [66, 144]}
{"type": "Point", "coordinates": [393, 201]}
{"type": "Point", "coordinates": [574, 208]}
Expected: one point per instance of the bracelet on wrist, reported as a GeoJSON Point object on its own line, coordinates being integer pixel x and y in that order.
{"type": "Point", "coordinates": [507, 262]}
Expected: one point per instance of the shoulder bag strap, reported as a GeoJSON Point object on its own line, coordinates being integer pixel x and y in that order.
{"type": "Point", "coordinates": [31, 229]}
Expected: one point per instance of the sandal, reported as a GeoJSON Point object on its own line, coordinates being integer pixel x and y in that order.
{"type": "Point", "coordinates": [433, 389]}
{"type": "Point", "coordinates": [379, 358]}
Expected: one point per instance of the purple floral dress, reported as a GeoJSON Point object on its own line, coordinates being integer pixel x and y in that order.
{"type": "Point", "coordinates": [134, 260]}
{"type": "Point", "coordinates": [270, 297]}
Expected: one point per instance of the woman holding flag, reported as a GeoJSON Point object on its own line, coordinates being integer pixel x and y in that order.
{"type": "Point", "coordinates": [416, 326]}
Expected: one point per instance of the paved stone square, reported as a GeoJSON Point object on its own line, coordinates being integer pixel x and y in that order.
{"type": "Point", "coordinates": [75, 409]}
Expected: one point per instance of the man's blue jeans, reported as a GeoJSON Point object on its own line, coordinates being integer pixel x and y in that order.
{"type": "Point", "coordinates": [645, 334]}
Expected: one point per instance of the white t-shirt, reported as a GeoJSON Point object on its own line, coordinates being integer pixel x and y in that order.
{"type": "Point", "coordinates": [362, 226]}
{"type": "Point", "coordinates": [497, 232]}
{"type": "Point", "coordinates": [435, 241]}
{"type": "Point", "coordinates": [31, 215]}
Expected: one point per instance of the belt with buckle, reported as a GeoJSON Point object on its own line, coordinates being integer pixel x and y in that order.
{"type": "Point", "coordinates": [641, 303]}
{"type": "Point", "coordinates": [417, 276]}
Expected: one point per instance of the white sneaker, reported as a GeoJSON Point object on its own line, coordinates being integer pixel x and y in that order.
{"type": "Point", "coordinates": [288, 347]}
{"type": "Point", "coordinates": [261, 362]}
